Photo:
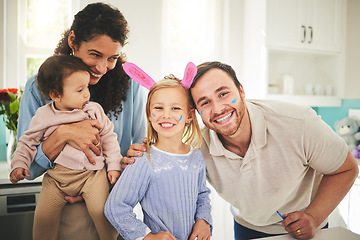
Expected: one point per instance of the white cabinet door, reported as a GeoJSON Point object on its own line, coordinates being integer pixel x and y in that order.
{"type": "Point", "coordinates": [324, 18]}
{"type": "Point", "coordinates": [304, 24]}
{"type": "Point", "coordinates": [284, 21]}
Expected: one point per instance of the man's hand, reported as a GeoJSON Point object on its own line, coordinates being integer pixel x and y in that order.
{"type": "Point", "coordinates": [113, 176]}
{"type": "Point", "coordinates": [135, 150]}
{"type": "Point", "coordinates": [18, 174]}
{"type": "Point", "coordinates": [300, 225]}
{"type": "Point", "coordinates": [160, 236]}
{"type": "Point", "coordinates": [201, 230]}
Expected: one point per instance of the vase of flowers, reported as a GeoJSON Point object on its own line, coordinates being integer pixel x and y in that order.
{"type": "Point", "coordinates": [9, 107]}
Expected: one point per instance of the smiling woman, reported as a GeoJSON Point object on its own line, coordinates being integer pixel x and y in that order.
{"type": "Point", "coordinates": [96, 36]}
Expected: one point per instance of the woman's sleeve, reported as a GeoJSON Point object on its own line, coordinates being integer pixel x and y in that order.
{"type": "Point", "coordinates": [30, 102]}
{"type": "Point", "coordinates": [139, 116]}
{"type": "Point", "coordinates": [203, 207]}
{"type": "Point", "coordinates": [127, 192]}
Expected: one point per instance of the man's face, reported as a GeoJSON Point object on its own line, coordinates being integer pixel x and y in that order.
{"type": "Point", "coordinates": [219, 102]}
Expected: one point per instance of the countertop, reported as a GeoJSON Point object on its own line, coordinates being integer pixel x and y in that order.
{"type": "Point", "coordinates": [5, 172]}
{"type": "Point", "coordinates": [337, 233]}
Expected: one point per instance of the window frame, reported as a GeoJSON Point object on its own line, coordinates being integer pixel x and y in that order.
{"type": "Point", "coordinates": [13, 47]}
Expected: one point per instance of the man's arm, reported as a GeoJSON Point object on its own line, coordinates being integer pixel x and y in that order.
{"type": "Point", "coordinates": [332, 189]}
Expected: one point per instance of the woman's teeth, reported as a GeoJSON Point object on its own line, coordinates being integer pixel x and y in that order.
{"type": "Point", "coordinates": [95, 75]}
{"type": "Point", "coordinates": [224, 118]}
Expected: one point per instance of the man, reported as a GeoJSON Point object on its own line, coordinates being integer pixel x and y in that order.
{"type": "Point", "coordinates": [266, 156]}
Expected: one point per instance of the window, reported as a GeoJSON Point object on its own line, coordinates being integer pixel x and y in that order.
{"type": "Point", "coordinates": [45, 23]}
{"type": "Point", "coordinates": [32, 29]}
{"type": "Point", "coordinates": [191, 32]}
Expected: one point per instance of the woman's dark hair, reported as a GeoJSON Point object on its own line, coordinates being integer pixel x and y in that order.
{"type": "Point", "coordinates": [54, 70]}
{"type": "Point", "coordinates": [94, 20]}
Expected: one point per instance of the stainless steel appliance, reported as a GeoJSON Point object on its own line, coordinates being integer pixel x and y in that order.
{"type": "Point", "coordinates": [17, 205]}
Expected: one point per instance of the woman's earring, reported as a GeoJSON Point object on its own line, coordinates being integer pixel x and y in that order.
{"type": "Point", "coordinates": [72, 52]}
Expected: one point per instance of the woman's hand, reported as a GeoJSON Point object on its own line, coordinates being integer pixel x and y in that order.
{"type": "Point", "coordinates": [113, 176]}
{"type": "Point", "coordinates": [160, 236]}
{"type": "Point", "coordinates": [75, 199]}
{"type": "Point", "coordinates": [83, 136]}
{"type": "Point", "coordinates": [201, 230]}
{"type": "Point", "coordinates": [135, 150]}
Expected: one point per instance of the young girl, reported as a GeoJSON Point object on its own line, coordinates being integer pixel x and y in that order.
{"type": "Point", "coordinates": [65, 79]}
{"type": "Point", "coordinates": [170, 180]}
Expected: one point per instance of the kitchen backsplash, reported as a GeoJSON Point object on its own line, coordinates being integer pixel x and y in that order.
{"type": "Point", "coordinates": [332, 114]}
{"type": "Point", "coordinates": [2, 140]}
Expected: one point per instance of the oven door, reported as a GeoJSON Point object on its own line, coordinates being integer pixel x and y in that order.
{"type": "Point", "coordinates": [17, 206]}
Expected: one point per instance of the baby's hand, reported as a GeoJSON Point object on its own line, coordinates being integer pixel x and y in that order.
{"type": "Point", "coordinates": [18, 174]}
{"type": "Point", "coordinates": [160, 236]}
{"type": "Point", "coordinates": [113, 176]}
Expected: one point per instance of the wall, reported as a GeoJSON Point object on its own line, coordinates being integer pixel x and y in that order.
{"type": "Point", "coordinates": [144, 43]}
{"type": "Point", "coordinates": [2, 42]}
{"type": "Point", "coordinates": [352, 70]}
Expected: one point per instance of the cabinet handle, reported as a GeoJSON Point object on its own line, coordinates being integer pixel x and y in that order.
{"type": "Point", "coordinates": [304, 30]}
{"type": "Point", "coordinates": [311, 34]}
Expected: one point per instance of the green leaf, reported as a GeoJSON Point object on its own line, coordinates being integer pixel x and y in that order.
{"type": "Point", "coordinates": [14, 107]}
{"type": "Point", "coordinates": [12, 96]}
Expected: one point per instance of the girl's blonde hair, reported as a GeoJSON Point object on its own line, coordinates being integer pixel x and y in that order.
{"type": "Point", "coordinates": [192, 133]}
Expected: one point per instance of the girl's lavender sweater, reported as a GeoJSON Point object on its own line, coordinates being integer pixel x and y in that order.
{"type": "Point", "coordinates": [171, 189]}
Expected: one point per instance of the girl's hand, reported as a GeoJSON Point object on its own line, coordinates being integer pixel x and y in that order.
{"type": "Point", "coordinates": [135, 150]}
{"type": "Point", "coordinates": [160, 236]}
{"type": "Point", "coordinates": [113, 176]}
{"type": "Point", "coordinates": [201, 230]}
{"type": "Point", "coordinates": [18, 174]}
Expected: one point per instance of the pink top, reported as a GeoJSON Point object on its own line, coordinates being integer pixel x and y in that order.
{"type": "Point", "coordinates": [47, 119]}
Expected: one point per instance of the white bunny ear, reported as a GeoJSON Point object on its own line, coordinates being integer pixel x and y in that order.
{"type": "Point", "coordinates": [138, 75]}
{"type": "Point", "coordinates": [190, 72]}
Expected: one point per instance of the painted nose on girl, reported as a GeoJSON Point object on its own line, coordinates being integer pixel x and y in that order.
{"type": "Point", "coordinates": [167, 113]}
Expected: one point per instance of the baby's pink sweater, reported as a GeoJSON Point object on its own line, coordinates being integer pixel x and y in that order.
{"type": "Point", "coordinates": [47, 119]}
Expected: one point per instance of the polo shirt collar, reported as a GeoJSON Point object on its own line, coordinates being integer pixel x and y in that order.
{"type": "Point", "coordinates": [258, 125]}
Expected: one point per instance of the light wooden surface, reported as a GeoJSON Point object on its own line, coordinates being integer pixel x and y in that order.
{"type": "Point", "coordinates": [337, 233]}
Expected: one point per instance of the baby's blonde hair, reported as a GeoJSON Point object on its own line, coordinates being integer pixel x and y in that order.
{"type": "Point", "coordinates": [192, 133]}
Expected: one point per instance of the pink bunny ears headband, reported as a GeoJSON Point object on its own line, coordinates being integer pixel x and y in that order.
{"type": "Point", "coordinates": [146, 81]}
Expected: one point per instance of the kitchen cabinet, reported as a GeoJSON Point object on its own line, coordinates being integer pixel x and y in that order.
{"type": "Point", "coordinates": [304, 24]}
{"type": "Point", "coordinates": [284, 61]}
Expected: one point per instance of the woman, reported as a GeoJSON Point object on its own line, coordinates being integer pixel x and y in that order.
{"type": "Point", "coordinates": [97, 36]}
